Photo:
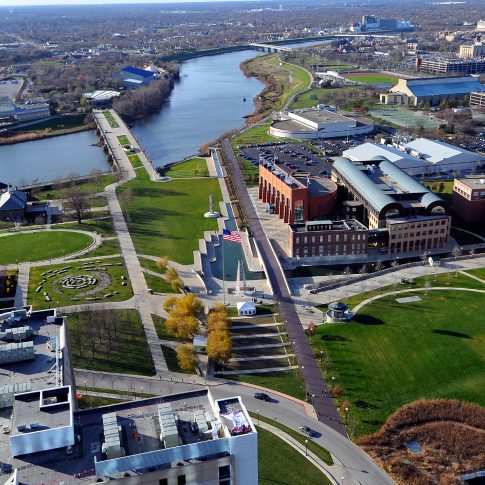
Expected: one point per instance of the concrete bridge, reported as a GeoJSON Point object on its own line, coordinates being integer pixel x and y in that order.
{"type": "Point", "coordinates": [269, 47]}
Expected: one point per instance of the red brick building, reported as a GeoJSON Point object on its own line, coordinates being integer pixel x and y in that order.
{"type": "Point", "coordinates": [469, 199]}
{"type": "Point", "coordinates": [296, 198]}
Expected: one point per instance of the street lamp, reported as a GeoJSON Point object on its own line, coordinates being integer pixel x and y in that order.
{"type": "Point", "coordinates": [313, 399]}
{"type": "Point", "coordinates": [333, 381]}
{"type": "Point", "coordinates": [85, 388]}
{"type": "Point", "coordinates": [321, 358]}
{"type": "Point", "coordinates": [342, 480]}
{"type": "Point", "coordinates": [306, 447]}
{"type": "Point", "coordinates": [141, 395]}
{"type": "Point", "coordinates": [346, 409]}
{"type": "Point", "coordinates": [257, 412]}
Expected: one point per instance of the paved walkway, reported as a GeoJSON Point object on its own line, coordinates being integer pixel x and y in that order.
{"type": "Point", "coordinates": [22, 285]}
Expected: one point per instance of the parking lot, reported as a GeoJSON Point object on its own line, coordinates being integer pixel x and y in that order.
{"type": "Point", "coordinates": [315, 158]}
{"type": "Point", "coordinates": [10, 88]}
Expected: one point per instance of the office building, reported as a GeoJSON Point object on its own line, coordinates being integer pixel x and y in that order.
{"type": "Point", "coordinates": [469, 199]}
{"type": "Point", "coordinates": [414, 92]}
{"type": "Point", "coordinates": [414, 218]}
{"type": "Point", "coordinates": [452, 67]}
{"type": "Point", "coordinates": [419, 157]}
{"type": "Point", "coordinates": [472, 51]}
{"type": "Point", "coordinates": [477, 100]}
{"type": "Point", "coordinates": [317, 123]}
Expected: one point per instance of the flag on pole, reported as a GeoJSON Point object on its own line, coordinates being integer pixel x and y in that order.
{"type": "Point", "coordinates": [231, 236]}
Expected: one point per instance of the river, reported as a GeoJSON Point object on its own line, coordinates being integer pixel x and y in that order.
{"type": "Point", "coordinates": [51, 158]}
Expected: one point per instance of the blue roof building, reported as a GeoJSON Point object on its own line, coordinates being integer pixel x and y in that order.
{"type": "Point", "coordinates": [133, 77]}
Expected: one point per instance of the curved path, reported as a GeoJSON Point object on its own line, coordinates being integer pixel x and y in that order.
{"type": "Point", "coordinates": [413, 290]}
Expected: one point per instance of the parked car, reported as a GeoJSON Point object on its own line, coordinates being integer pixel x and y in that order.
{"type": "Point", "coordinates": [308, 431]}
{"type": "Point", "coordinates": [262, 396]}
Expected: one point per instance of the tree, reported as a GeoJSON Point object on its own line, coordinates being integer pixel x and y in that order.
{"type": "Point", "coordinates": [311, 330]}
{"type": "Point", "coordinates": [79, 201]}
{"type": "Point", "coordinates": [162, 263]}
{"type": "Point", "coordinates": [219, 346]}
{"type": "Point", "coordinates": [170, 303]}
{"type": "Point", "coordinates": [97, 177]}
{"type": "Point", "coordinates": [187, 357]}
{"type": "Point", "coordinates": [182, 326]}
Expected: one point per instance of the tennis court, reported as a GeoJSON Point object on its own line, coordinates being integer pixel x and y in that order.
{"type": "Point", "coordinates": [405, 118]}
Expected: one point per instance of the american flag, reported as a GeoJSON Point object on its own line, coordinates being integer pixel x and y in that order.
{"type": "Point", "coordinates": [231, 236]}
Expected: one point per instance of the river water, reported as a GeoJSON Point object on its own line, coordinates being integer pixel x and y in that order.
{"type": "Point", "coordinates": [51, 158]}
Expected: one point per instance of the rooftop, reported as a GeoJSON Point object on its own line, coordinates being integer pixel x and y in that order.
{"type": "Point", "coordinates": [474, 182]}
{"type": "Point", "coordinates": [138, 72]}
{"type": "Point", "coordinates": [321, 115]}
{"type": "Point", "coordinates": [441, 86]}
{"type": "Point", "coordinates": [435, 151]}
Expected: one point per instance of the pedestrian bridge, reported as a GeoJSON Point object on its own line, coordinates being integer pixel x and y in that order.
{"type": "Point", "coordinates": [270, 47]}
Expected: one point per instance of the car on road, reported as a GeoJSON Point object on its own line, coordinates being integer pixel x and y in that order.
{"type": "Point", "coordinates": [262, 396]}
{"type": "Point", "coordinates": [308, 431]}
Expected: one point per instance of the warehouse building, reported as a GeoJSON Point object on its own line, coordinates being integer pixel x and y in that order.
{"type": "Point", "coordinates": [415, 218]}
{"type": "Point", "coordinates": [457, 67]}
{"type": "Point", "coordinates": [420, 157]}
{"type": "Point", "coordinates": [133, 77]}
{"type": "Point", "coordinates": [317, 123]}
{"type": "Point", "coordinates": [295, 197]}
{"type": "Point", "coordinates": [469, 199]}
{"type": "Point", "coordinates": [432, 90]}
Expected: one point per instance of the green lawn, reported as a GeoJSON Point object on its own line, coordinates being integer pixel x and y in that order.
{"type": "Point", "coordinates": [167, 219]}
{"type": "Point", "coordinates": [109, 281]}
{"type": "Point", "coordinates": [289, 382]}
{"type": "Point", "coordinates": [92, 333]}
{"type": "Point", "coordinates": [321, 452]}
{"type": "Point", "coordinates": [151, 265]}
{"type": "Point", "coordinates": [371, 78]}
{"type": "Point", "coordinates": [110, 119]}
{"type": "Point", "coordinates": [54, 124]}
{"type": "Point", "coordinates": [88, 402]}
{"type": "Point", "coordinates": [392, 353]}
{"type": "Point", "coordinates": [123, 140]}
{"type": "Point", "coordinates": [158, 284]}
{"type": "Point", "coordinates": [135, 161]}
{"type": "Point", "coordinates": [172, 362]}
{"type": "Point", "coordinates": [308, 99]}
{"type": "Point", "coordinates": [106, 248]}
{"type": "Point", "coordinates": [38, 246]}
{"type": "Point", "coordinates": [479, 272]}
{"type": "Point", "coordinates": [279, 463]}
{"type": "Point", "coordinates": [194, 167]}
{"type": "Point", "coordinates": [104, 227]}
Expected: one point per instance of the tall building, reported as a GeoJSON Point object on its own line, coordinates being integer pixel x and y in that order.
{"type": "Point", "coordinates": [477, 99]}
{"type": "Point", "coordinates": [469, 199]}
{"type": "Point", "coordinates": [453, 66]}
{"type": "Point", "coordinates": [472, 51]}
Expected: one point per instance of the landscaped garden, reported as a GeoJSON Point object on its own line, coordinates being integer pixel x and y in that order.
{"type": "Point", "coordinates": [194, 167]}
{"type": "Point", "coordinates": [110, 341]}
{"type": "Point", "coordinates": [110, 119]}
{"type": "Point", "coordinates": [394, 353]}
{"type": "Point", "coordinates": [74, 283]}
{"type": "Point", "coordinates": [41, 245]}
{"type": "Point", "coordinates": [168, 218]}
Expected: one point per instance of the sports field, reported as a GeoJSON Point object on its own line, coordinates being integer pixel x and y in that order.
{"type": "Point", "coordinates": [371, 78]}
{"type": "Point", "coordinates": [404, 118]}
{"type": "Point", "coordinates": [393, 353]}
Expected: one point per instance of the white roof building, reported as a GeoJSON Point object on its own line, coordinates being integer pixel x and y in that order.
{"type": "Point", "coordinates": [246, 308]}
{"type": "Point", "coordinates": [419, 157]}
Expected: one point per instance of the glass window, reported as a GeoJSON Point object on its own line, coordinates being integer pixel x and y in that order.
{"type": "Point", "coordinates": [224, 472]}
{"type": "Point", "coordinates": [181, 480]}
{"type": "Point", "coordinates": [299, 211]}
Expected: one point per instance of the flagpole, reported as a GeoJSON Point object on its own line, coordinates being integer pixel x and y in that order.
{"type": "Point", "coordinates": [223, 274]}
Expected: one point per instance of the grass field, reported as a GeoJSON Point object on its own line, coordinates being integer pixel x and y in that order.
{"type": "Point", "coordinates": [289, 382]}
{"type": "Point", "coordinates": [88, 401]}
{"type": "Point", "coordinates": [109, 279]}
{"type": "Point", "coordinates": [394, 353]}
{"type": "Point", "coordinates": [167, 219]}
{"type": "Point", "coordinates": [54, 124]}
{"type": "Point", "coordinates": [158, 284]}
{"type": "Point", "coordinates": [194, 167]}
{"type": "Point", "coordinates": [129, 352]}
{"type": "Point", "coordinates": [106, 248]}
{"type": "Point", "coordinates": [281, 464]}
{"type": "Point", "coordinates": [110, 119]}
{"type": "Point", "coordinates": [101, 226]}
{"type": "Point", "coordinates": [38, 246]}
{"type": "Point", "coordinates": [371, 78]}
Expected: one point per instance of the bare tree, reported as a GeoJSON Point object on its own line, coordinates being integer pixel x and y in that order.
{"type": "Point", "coordinates": [97, 177]}
{"type": "Point", "coordinates": [79, 201]}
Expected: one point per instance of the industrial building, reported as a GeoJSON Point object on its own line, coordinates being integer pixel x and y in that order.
{"type": "Point", "coordinates": [372, 23]}
{"type": "Point", "coordinates": [317, 123]}
{"type": "Point", "coordinates": [294, 196]}
{"type": "Point", "coordinates": [419, 157]}
{"type": "Point", "coordinates": [101, 99]}
{"type": "Point", "coordinates": [30, 111]}
{"type": "Point", "coordinates": [451, 67]}
{"type": "Point", "coordinates": [432, 90]}
{"type": "Point", "coordinates": [469, 199]}
{"type": "Point", "coordinates": [133, 77]}
{"type": "Point", "coordinates": [471, 51]}
{"type": "Point", "coordinates": [477, 100]}
{"type": "Point", "coordinates": [403, 215]}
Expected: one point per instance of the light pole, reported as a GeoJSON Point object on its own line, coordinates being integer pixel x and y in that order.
{"type": "Point", "coordinates": [141, 395]}
{"type": "Point", "coordinates": [321, 358]}
{"type": "Point", "coordinates": [313, 399]}
{"type": "Point", "coordinates": [257, 412]}
{"type": "Point", "coordinates": [306, 447]}
{"type": "Point", "coordinates": [333, 381]}
{"type": "Point", "coordinates": [342, 480]}
{"type": "Point", "coordinates": [346, 409]}
{"type": "Point", "coordinates": [85, 388]}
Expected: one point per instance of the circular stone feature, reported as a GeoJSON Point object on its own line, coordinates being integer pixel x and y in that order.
{"type": "Point", "coordinates": [77, 282]}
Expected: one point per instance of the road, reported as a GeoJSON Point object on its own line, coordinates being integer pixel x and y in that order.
{"type": "Point", "coordinates": [315, 383]}
{"type": "Point", "coordinates": [350, 461]}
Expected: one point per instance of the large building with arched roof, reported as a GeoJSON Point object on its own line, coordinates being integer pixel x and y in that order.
{"type": "Point", "coordinates": [413, 217]}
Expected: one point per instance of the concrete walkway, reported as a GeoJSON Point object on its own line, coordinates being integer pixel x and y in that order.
{"type": "Point", "coordinates": [22, 285]}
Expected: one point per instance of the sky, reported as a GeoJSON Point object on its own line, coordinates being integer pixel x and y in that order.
{"type": "Point", "coordinates": [18, 3]}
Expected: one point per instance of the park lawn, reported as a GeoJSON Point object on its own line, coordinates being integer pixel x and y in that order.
{"type": "Point", "coordinates": [89, 186]}
{"type": "Point", "coordinates": [135, 161]}
{"type": "Point", "coordinates": [88, 401]}
{"type": "Point", "coordinates": [104, 226]}
{"type": "Point", "coordinates": [371, 78]}
{"type": "Point", "coordinates": [38, 246]}
{"type": "Point", "coordinates": [167, 219]}
{"type": "Point", "coordinates": [111, 247]}
{"type": "Point", "coordinates": [64, 297]}
{"type": "Point", "coordinates": [162, 333]}
{"type": "Point", "coordinates": [478, 272]}
{"type": "Point", "coordinates": [110, 119]}
{"type": "Point", "coordinates": [279, 463]}
{"type": "Point", "coordinates": [447, 189]}
{"type": "Point", "coordinates": [151, 265]}
{"type": "Point", "coordinates": [158, 284]}
{"type": "Point", "coordinates": [123, 140]}
{"type": "Point", "coordinates": [289, 382]}
{"type": "Point", "coordinates": [172, 361]}
{"type": "Point", "coordinates": [194, 167]}
{"type": "Point", "coordinates": [392, 354]}
{"type": "Point", "coordinates": [130, 353]}
{"type": "Point", "coordinates": [94, 202]}
{"type": "Point", "coordinates": [321, 452]}
{"type": "Point", "coordinates": [308, 99]}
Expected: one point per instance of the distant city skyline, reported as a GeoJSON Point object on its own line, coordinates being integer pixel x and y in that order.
{"type": "Point", "coordinates": [33, 3]}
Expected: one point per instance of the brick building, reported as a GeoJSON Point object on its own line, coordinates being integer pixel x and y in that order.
{"type": "Point", "coordinates": [469, 199]}
{"type": "Point", "coordinates": [296, 198]}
